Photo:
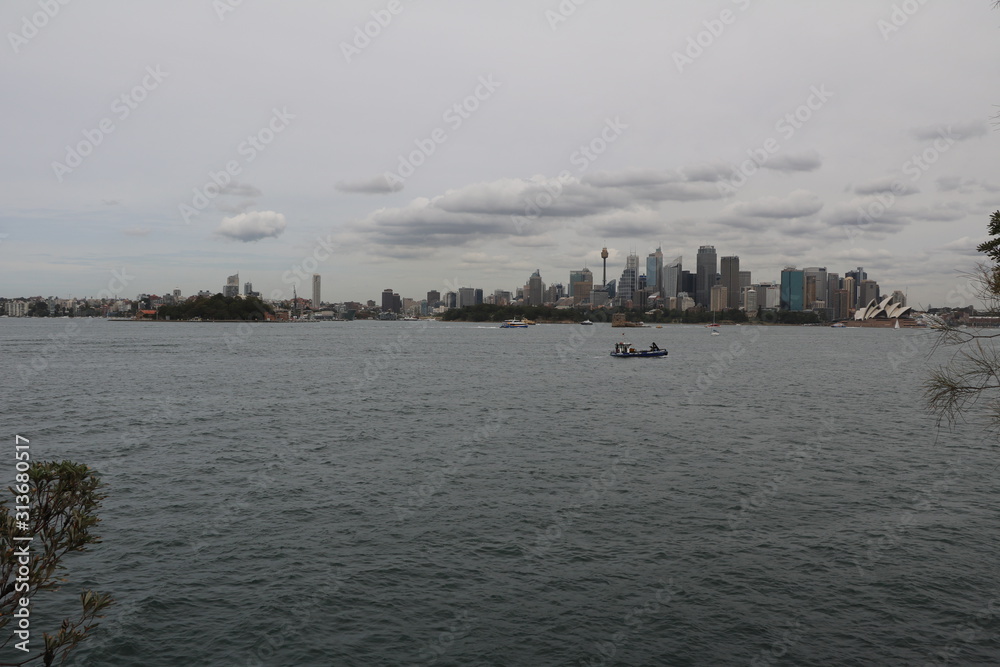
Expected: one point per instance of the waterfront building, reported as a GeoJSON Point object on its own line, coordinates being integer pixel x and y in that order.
{"type": "Point", "coordinates": [792, 288]}
{"type": "Point", "coordinates": [731, 280]}
{"type": "Point", "coordinates": [705, 277]}
{"type": "Point", "coordinates": [719, 298]}
{"type": "Point", "coordinates": [391, 302]}
{"type": "Point", "coordinates": [315, 295]}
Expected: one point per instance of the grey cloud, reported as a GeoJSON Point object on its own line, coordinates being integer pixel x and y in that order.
{"type": "Point", "coordinates": [888, 184]}
{"type": "Point", "coordinates": [956, 131]}
{"type": "Point", "coordinates": [805, 161]}
{"type": "Point", "coordinates": [238, 190]}
{"type": "Point", "coordinates": [371, 186]}
{"type": "Point", "coordinates": [798, 204]}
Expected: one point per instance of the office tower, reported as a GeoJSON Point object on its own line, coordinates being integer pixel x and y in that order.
{"type": "Point", "coordinates": [731, 280]}
{"type": "Point", "coordinates": [705, 276]}
{"type": "Point", "coordinates": [852, 292]}
{"type": "Point", "coordinates": [832, 285]}
{"type": "Point", "coordinates": [816, 288]}
{"type": "Point", "coordinates": [391, 302]}
{"type": "Point", "coordinates": [450, 300]}
{"type": "Point", "coordinates": [792, 288]}
{"type": "Point", "coordinates": [612, 287]}
{"type": "Point", "coordinates": [867, 292]}
{"type": "Point", "coordinates": [858, 275]}
{"type": "Point", "coordinates": [434, 298]}
{"type": "Point", "coordinates": [748, 298]}
{"type": "Point", "coordinates": [841, 310]}
{"type": "Point", "coordinates": [672, 278]}
{"type": "Point", "coordinates": [719, 298]}
{"type": "Point", "coordinates": [745, 280]}
{"type": "Point", "coordinates": [466, 297]}
{"type": "Point", "coordinates": [315, 299]}
{"type": "Point", "coordinates": [534, 290]}
{"type": "Point", "coordinates": [247, 288]}
{"type": "Point", "coordinates": [478, 297]}
{"type": "Point", "coordinates": [629, 278]}
{"type": "Point", "coordinates": [654, 272]}
{"type": "Point", "coordinates": [582, 276]}
{"type": "Point", "coordinates": [899, 297]}
{"type": "Point", "coordinates": [232, 287]}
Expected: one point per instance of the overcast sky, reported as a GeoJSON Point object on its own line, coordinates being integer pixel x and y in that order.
{"type": "Point", "coordinates": [470, 143]}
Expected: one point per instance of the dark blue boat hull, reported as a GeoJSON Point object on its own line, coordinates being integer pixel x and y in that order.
{"type": "Point", "coordinates": [643, 353]}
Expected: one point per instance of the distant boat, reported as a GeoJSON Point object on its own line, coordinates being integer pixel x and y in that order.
{"type": "Point", "coordinates": [514, 324]}
{"type": "Point", "coordinates": [715, 332]}
{"type": "Point", "coordinates": [838, 325]}
{"type": "Point", "coordinates": [623, 350]}
{"type": "Point", "coordinates": [586, 322]}
{"type": "Point", "coordinates": [897, 325]}
{"type": "Point", "coordinates": [713, 324]}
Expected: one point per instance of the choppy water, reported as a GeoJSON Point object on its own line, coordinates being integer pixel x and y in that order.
{"type": "Point", "coordinates": [388, 493]}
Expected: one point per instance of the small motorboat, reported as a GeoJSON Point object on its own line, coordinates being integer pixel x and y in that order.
{"type": "Point", "coordinates": [587, 322]}
{"type": "Point", "coordinates": [624, 349]}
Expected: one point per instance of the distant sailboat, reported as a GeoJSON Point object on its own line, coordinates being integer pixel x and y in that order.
{"type": "Point", "coordinates": [897, 324]}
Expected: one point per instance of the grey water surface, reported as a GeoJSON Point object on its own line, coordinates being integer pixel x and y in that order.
{"type": "Point", "coordinates": [414, 493]}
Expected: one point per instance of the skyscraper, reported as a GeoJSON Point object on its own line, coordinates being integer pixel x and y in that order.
{"type": "Point", "coordinates": [466, 297]}
{"type": "Point", "coordinates": [792, 288]}
{"type": "Point", "coordinates": [232, 287]}
{"type": "Point", "coordinates": [818, 289]}
{"type": "Point", "coordinates": [630, 277]}
{"type": "Point", "coordinates": [315, 299]}
{"type": "Point", "coordinates": [654, 272]}
{"type": "Point", "coordinates": [672, 279]}
{"type": "Point", "coordinates": [534, 289]}
{"type": "Point", "coordinates": [731, 280]}
{"type": "Point", "coordinates": [705, 277]}
{"type": "Point", "coordinates": [719, 298]}
{"type": "Point", "coordinates": [434, 298]}
{"type": "Point", "coordinates": [867, 292]}
{"type": "Point", "coordinates": [582, 276]}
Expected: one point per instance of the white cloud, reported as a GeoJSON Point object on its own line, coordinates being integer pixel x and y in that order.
{"type": "Point", "coordinates": [252, 226]}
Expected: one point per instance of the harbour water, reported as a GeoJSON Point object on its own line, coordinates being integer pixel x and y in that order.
{"type": "Point", "coordinates": [414, 493]}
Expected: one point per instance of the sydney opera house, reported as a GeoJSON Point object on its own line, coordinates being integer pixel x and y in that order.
{"type": "Point", "coordinates": [883, 313]}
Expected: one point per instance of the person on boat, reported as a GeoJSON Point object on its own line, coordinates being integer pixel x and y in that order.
{"type": "Point", "coordinates": [653, 347]}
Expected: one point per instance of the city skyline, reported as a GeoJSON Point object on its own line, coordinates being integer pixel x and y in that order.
{"type": "Point", "coordinates": [691, 126]}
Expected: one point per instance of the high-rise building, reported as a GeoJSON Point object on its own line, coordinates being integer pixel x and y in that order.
{"type": "Point", "coordinates": [433, 298]}
{"type": "Point", "coordinates": [232, 287]}
{"type": "Point", "coordinates": [672, 278]}
{"type": "Point", "coordinates": [899, 297]}
{"type": "Point", "coordinates": [816, 288]}
{"type": "Point", "coordinates": [867, 292]}
{"type": "Point", "coordinates": [478, 297]}
{"type": "Point", "coordinates": [748, 298]}
{"type": "Point", "coordinates": [534, 290]}
{"type": "Point", "coordinates": [731, 280]}
{"type": "Point", "coordinates": [841, 310]}
{"type": "Point", "coordinates": [582, 276]}
{"type": "Point", "coordinates": [745, 280]}
{"type": "Point", "coordinates": [792, 288]}
{"type": "Point", "coordinates": [391, 302]}
{"type": "Point", "coordinates": [705, 276]}
{"type": "Point", "coordinates": [832, 285]}
{"type": "Point", "coordinates": [450, 300]}
{"type": "Point", "coordinates": [654, 272]}
{"type": "Point", "coordinates": [315, 299]}
{"type": "Point", "coordinates": [858, 275]}
{"type": "Point", "coordinates": [629, 279]}
{"type": "Point", "coordinates": [852, 293]}
{"type": "Point", "coordinates": [247, 288]}
{"type": "Point", "coordinates": [466, 297]}
{"type": "Point", "coordinates": [719, 299]}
